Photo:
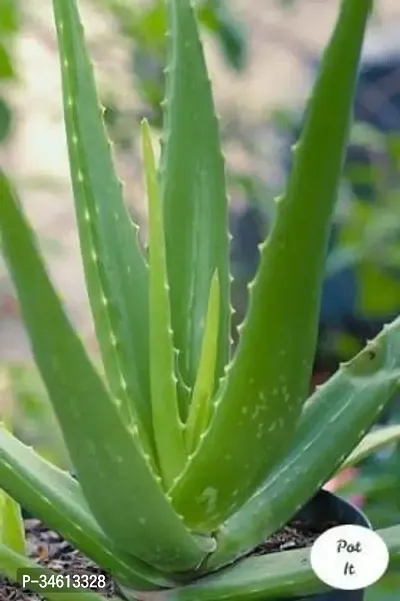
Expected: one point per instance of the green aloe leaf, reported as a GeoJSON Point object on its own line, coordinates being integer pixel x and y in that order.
{"type": "Point", "coordinates": [12, 532]}
{"type": "Point", "coordinates": [266, 385]}
{"type": "Point", "coordinates": [194, 196]}
{"type": "Point", "coordinates": [339, 414]}
{"type": "Point", "coordinates": [200, 408]}
{"type": "Point", "coordinates": [11, 565]}
{"type": "Point", "coordinates": [53, 496]}
{"type": "Point", "coordinates": [286, 574]}
{"type": "Point", "coordinates": [115, 271]}
{"type": "Point", "coordinates": [168, 429]}
{"type": "Point", "coordinates": [372, 443]}
{"type": "Point", "coordinates": [105, 451]}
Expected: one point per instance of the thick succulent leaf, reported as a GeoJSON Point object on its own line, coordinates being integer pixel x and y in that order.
{"type": "Point", "coordinates": [271, 576]}
{"type": "Point", "coordinates": [372, 443]}
{"type": "Point", "coordinates": [267, 383]}
{"type": "Point", "coordinates": [56, 498]}
{"type": "Point", "coordinates": [200, 407]}
{"type": "Point", "coordinates": [12, 533]}
{"type": "Point", "coordinates": [105, 451]}
{"type": "Point", "coordinates": [286, 574]}
{"type": "Point", "coordinates": [340, 413]}
{"type": "Point", "coordinates": [12, 563]}
{"type": "Point", "coordinates": [277, 575]}
{"type": "Point", "coordinates": [194, 195]}
{"type": "Point", "coordinates": [168, 429]}
{"type": "Point", "coordinates": [115, 271]}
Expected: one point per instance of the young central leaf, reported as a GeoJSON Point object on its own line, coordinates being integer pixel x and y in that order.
{"type": "Point", "coordinates": [200, 407]}
{"type": "Point", "coordinates": [194, 196]}
{"type": "Point", "coordinates": [168, 430]}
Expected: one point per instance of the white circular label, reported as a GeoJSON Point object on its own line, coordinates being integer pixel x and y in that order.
{"type": "Point", "coordinates": [349, 557]}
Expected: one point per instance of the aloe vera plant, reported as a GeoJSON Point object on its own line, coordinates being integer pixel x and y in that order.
{"type": "Point", "coordinates": [188, 455]}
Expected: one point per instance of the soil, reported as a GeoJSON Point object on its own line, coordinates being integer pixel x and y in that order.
{"type": "Point", "coordinates": [49, 549]}
{"type": "Point", "coordinates": [296, 535]}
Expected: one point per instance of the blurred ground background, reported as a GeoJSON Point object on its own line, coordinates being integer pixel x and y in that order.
{"type": "Point", "coordinates": [262, 56]}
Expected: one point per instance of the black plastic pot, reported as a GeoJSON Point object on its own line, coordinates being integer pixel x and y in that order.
{"type": "Point", "coordinates": [327, 507]}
